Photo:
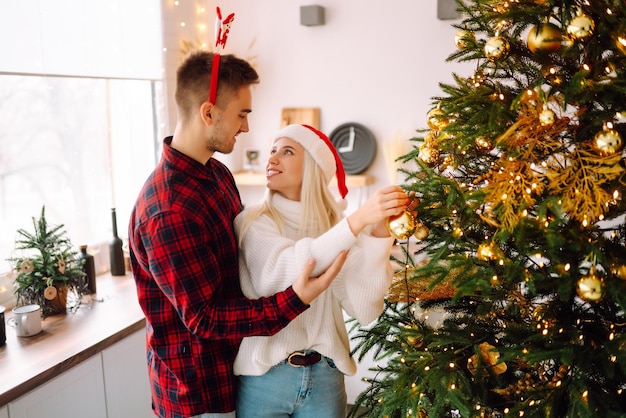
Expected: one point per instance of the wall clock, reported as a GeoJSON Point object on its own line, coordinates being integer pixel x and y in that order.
{"type": "Point", "coordinates": [355, 145]}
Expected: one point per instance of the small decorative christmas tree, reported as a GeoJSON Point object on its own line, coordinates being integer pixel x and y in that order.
{"type": "Point", "coordinates": [522, 245]}
{"type": "Point", "coordinates": [48, 268]}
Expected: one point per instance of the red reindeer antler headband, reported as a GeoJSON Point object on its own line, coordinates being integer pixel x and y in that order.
{"type": "Point", "coordinates": [222, 29]}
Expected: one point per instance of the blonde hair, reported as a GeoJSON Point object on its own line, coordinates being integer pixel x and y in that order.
{"type": "Point", "coordinates": [320, 210]}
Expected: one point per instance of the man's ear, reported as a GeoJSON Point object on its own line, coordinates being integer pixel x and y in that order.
{"type": "Point", "coordinates": [206, 112]}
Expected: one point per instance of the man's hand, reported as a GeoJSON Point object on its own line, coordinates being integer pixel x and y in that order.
{"type": "Point", "coordinates": [308, 288]}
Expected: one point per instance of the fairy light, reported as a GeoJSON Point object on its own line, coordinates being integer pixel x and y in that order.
{"type": "Point", "coordinates": [451, 365]}
{"type": "Point", "coordinates": [426, 368]}
{"type": "Point", "coordinates": [586, 67]}
{"type": "Point", "coordinates": [452, 386]}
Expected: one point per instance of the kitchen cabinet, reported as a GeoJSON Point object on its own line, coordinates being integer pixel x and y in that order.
{"type": "Point", "coordinates": [126, 378]}
{"type": "Point", "coordinates": [88, 363]}
{"type": "Point", "coordinates": [112, 384]}
{"type": "Point", "coordinates": [76, 393]}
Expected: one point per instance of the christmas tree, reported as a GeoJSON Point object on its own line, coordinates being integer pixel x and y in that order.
{"type": "Point", "coordinates": [519, 241]}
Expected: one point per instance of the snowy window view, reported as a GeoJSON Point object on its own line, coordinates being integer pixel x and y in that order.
{"type": "Point", "coordinates": [79, 146]}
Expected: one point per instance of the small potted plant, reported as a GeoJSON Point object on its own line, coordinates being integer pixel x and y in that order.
{"type": "Point", "coordinates": [47, 269]}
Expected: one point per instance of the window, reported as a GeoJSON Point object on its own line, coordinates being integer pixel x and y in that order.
{"type": "Point", "coordinates": [79, 146]}
{"type": "Point", "coordinates": [81, 106]}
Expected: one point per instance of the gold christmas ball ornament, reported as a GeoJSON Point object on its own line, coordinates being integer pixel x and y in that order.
{"type": "Point", "coordinates": [462, 38]}
{"type": "Point", "coordinates": [607, 142]}
{"type": "Point", "coordinates": [590, 288]}
{"type": "Point", "coordinates": [546, 117]}
{"type": "Point", "coordinates": [580, 28]}
{"type": "Point", "coordinates": [490, 360]}
{"type": "Point", "coordinates": [401, 226]}
{"type": "Point", "coordinates": [428, 153]}
{"type": "Point", "coordinates": [430, 137]}
{"type": "Point", "coordinates": [497, 48]}
{"type": "Point", "coordinates": [421, 231]}
{"type": "Point", "coordinates": [415, 335]}
{"type": "Point", "coordinates": [544, 37]}
{"type": "Point", "coordinates": [436, 119]}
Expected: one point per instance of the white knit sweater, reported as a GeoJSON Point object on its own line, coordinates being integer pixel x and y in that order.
{"type": "Point", "coordinates": [270, 262]}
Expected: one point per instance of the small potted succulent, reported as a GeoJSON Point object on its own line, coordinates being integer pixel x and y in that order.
{"type": "Point", "coordinates": [48, 269]}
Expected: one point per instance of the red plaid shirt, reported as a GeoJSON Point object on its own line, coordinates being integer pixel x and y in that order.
{"type": "Point", "coordinates": [184, 260]}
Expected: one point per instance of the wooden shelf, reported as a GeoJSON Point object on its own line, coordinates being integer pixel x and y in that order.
{"type": "Point", "coordinates": [250, 178]}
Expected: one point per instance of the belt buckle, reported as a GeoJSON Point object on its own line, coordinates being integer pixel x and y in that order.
{"type": "Point", "coordinates": [295, 353]}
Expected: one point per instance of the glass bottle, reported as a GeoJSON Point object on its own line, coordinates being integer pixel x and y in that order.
{"type": "Point", "coordinates": [116, 253]}
{"type": "Point", "coordinates": [89, 267]}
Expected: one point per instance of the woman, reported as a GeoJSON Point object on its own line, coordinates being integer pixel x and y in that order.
{"type": "Point", "coordinates": [299, 372]}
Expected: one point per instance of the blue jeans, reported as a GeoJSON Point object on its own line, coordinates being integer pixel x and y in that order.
{"type": "Point", "coordinates": [215, 415]}
{"type": "Point", "coordinates": [298, 392]}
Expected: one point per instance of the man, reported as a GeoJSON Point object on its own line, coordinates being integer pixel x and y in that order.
{"type": "Point", "coordinates": [184, 250]}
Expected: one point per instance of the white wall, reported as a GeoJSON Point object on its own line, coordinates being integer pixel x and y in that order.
{"type": "Point", "coordinates": [373, 62]}
{"type": "Point", "coordinates": [376, 63]}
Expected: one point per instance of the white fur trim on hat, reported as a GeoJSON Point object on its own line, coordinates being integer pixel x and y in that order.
{"type": "Point", "coordinates": [318, 149]}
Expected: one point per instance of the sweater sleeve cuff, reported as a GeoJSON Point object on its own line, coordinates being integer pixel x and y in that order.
{"type": "Point", "coordinates": [290, 304]}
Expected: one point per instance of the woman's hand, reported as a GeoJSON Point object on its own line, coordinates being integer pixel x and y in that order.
{"type": "Point", "coordinates": [386, 202]}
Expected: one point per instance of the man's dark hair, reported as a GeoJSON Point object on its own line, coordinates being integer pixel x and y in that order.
{"type": "Point", "coordinates": [193, 79]}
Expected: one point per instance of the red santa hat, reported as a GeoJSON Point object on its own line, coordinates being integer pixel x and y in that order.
{"type": "Point", "coordinates": [322, 151]}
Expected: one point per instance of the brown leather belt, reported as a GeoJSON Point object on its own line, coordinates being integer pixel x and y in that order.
{"type": "Point", "coordinates": [302, 359]}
